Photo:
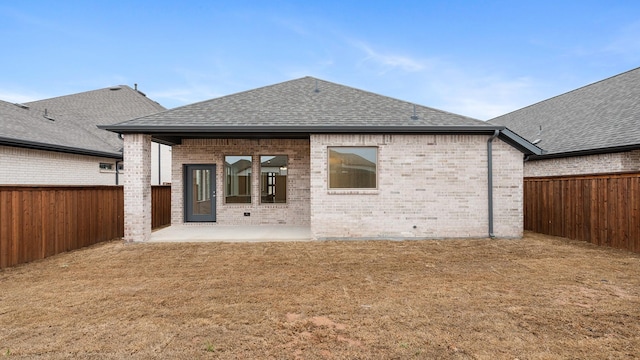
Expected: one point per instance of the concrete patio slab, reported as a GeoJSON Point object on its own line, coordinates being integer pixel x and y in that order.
{"type": "Point", "coordinates": [223, 233]}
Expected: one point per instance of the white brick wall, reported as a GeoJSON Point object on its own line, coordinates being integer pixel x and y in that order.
{"type": "Point", "coordinates": [160, 164]}
{"type": "Point", "coordinates": [435, 183]}
{"type": "Point", "coordinates": [590, 164]}
{"type": "Point", "coordinates": [508, 198]}
{"type": "Point", "coordinates": [20, 166]}
{"type": "Point", "coordinates": [212, 151]}
{"type": "Point", "coordinates": [137, 187]}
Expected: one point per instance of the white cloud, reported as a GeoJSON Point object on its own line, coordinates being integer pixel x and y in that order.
{"type": "Point", "coordinates": [485, 97]}
{"type": "Point", "coordinates": [14, 97]}
{"type": "Point", "coordinates": [179, 96]}
{"type": "Point", "coordinates": [388, 61]}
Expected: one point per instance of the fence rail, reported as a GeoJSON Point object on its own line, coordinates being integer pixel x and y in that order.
{"type": "Point", "coordinates": [600, 209]}
{"type": "Point", "coordinates": [41, 221]}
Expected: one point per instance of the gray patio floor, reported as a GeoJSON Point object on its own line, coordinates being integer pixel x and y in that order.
{"type": "Point", "coordinates": [224, 233]}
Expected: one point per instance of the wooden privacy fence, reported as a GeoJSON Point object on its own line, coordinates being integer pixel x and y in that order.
{"type": "Point", "coordinates": [600, 209]}
{"type": "Point", "coordinates": [41, 221]}
{"type": "Point", "coordinates": [160, 206]}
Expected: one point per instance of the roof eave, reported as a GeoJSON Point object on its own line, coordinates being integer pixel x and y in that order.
{"type": "Point", "coordinates": [173, 134]}
{"type": "Point", "coordinates": [58, 148]}
{"type": "Point", "coordinates": [471, 129]}
{"type": "Point", "coordinates": [606, 150]}
{"type": "Point", "coordinates": [520, 143]}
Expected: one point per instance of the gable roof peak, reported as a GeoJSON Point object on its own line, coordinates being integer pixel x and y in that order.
{"type": "Point", "coordinates": [599, 117]}
{"type": "Point", "coordinates": [613, 77]}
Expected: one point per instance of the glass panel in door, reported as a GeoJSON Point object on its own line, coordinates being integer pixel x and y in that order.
{"type": "Point", "coordinates": [200, 193]}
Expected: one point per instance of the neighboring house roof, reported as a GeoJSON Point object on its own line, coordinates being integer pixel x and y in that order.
{"type": "Point", "coordinates": [240, 165]}
{"type": "Point", "coordinates": [598, 118]}
{"type": "Point", "coordinates": [275, 161]}
{"type": "Point", "coordinates": [69, 123]}
{"type": "Point", "coordinates": [300, 107]}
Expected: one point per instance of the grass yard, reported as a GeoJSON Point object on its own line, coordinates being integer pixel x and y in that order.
{"type": "Point", "coordinates": [536, 298]}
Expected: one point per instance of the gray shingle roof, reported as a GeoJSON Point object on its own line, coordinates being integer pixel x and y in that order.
{"type": "Point", "coordinates": [600, 117]}
{"type": "Point", "coordinates": [75, 119]}
{"type": "Point", "coordinates": [296, 103]}
{"type": "Point", "coordinates": [300, 107]}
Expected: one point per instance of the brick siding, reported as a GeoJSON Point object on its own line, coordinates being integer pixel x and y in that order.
{"type": "Point", "coordinates": [212, 151]}
{"type": "Point", "coordinates": [137, 187]}
{"type": "Point", "coordinates": [20, 166]}
{"type": "Point", "coordinates": [590, 164]}
{"type": "Point", "coordinates": [429, 186]}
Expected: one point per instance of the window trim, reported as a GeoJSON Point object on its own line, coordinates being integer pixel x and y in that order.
{"type": "Point", "coordinates": [286, 194]}
{"type": "Point", "coordinates": [110, 169]}
{"type": "Point", "coordinates": [226, 177]}
{"type": "Point", "coordinates": [337, 190]}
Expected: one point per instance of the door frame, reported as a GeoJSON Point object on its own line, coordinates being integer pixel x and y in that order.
{"type": "Point", "coordinates": [189, 216]}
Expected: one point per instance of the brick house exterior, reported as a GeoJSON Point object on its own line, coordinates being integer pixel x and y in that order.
{"type": "Point", "coordinates": [590, 130]}
{"type": "Point", "coordinates": [616, 162]}
{"type": "Point", "coordinates": [23, 166]}
{"type": "Point", "coordinates": [56, 141]}
{"type": "Point", "coordinates": [201, 151]}
{"type": "Point", "coordinates": [358, 165]}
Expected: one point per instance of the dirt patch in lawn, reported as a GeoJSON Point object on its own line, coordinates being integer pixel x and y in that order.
{"type": "Point", "coordinates": [536, 298]}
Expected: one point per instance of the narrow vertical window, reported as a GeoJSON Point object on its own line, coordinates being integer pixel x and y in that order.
{"type": "Point", "coordinates": [353, 167]}
{"type": "Point", "coordinates": [237, 179]}
{"type": "Point", "coordinates": [273, 179]}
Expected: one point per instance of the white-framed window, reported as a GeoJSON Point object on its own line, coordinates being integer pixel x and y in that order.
{"type": "Point", "coordinates": [352, 167]}
{"type": "Point", "coordinates": [107, 167]}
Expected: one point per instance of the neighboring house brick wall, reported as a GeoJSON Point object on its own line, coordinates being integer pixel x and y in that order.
{"type": "Point", "coordinates": [590, 164]}
{"type": "Point", "coordinates": [437, 183]}
{"type": "Point", "coordinates": [38, 167]}
{"type": "Point", "coordinates": [212, 151]}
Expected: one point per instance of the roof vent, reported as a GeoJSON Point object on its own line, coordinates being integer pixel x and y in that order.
{"type": "Point", "coordinates": [414, 116]}
{"type": "Point", "coordinates": [135, 87]}
{"type": "Point", "coordinates": [316, 90]}
{"type": "Point", "coordinates": [115, 88]}
{"type": "Point", "coordinates": [21, 105]}
{"type": "Point", "coordinates": [46, 115]}
{"type": "Point", "coordinates": [538, 139]}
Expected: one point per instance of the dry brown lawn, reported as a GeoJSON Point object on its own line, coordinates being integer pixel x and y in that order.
{"type": "Point", "coordinates": [536, 298]}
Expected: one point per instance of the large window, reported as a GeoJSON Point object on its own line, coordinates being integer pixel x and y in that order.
{"type": "Point", "coordinates": [273, 179]}
{"type": "Point", "coordinates": [237, 179]}
{"type": "Point", "coordinates": [353, 167]}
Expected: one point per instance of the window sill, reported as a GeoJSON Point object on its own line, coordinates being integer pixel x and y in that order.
{"type": "Point", "coordinates": [353, 192]}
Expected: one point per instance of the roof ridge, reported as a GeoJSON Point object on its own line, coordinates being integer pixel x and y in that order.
{"type": "Point", "coordinates": [567, 92]}
{"type": "Point", "coordinates": [83, 92]}
{"type": "Point", "coordinates": [243, 92]}
{"type": "Point", "coordinates": [394, 98]}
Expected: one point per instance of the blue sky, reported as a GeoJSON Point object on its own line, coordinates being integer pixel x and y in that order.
{"type": "Point", "coordinates": [476, 58]}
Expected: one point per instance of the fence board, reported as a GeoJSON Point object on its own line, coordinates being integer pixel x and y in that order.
{"type": "Point", "coordinates": [41, 221]}
{"type": "Point", "coordinates": [600, 209]}
{"type": "Point", "coordinates": [161, 206]}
